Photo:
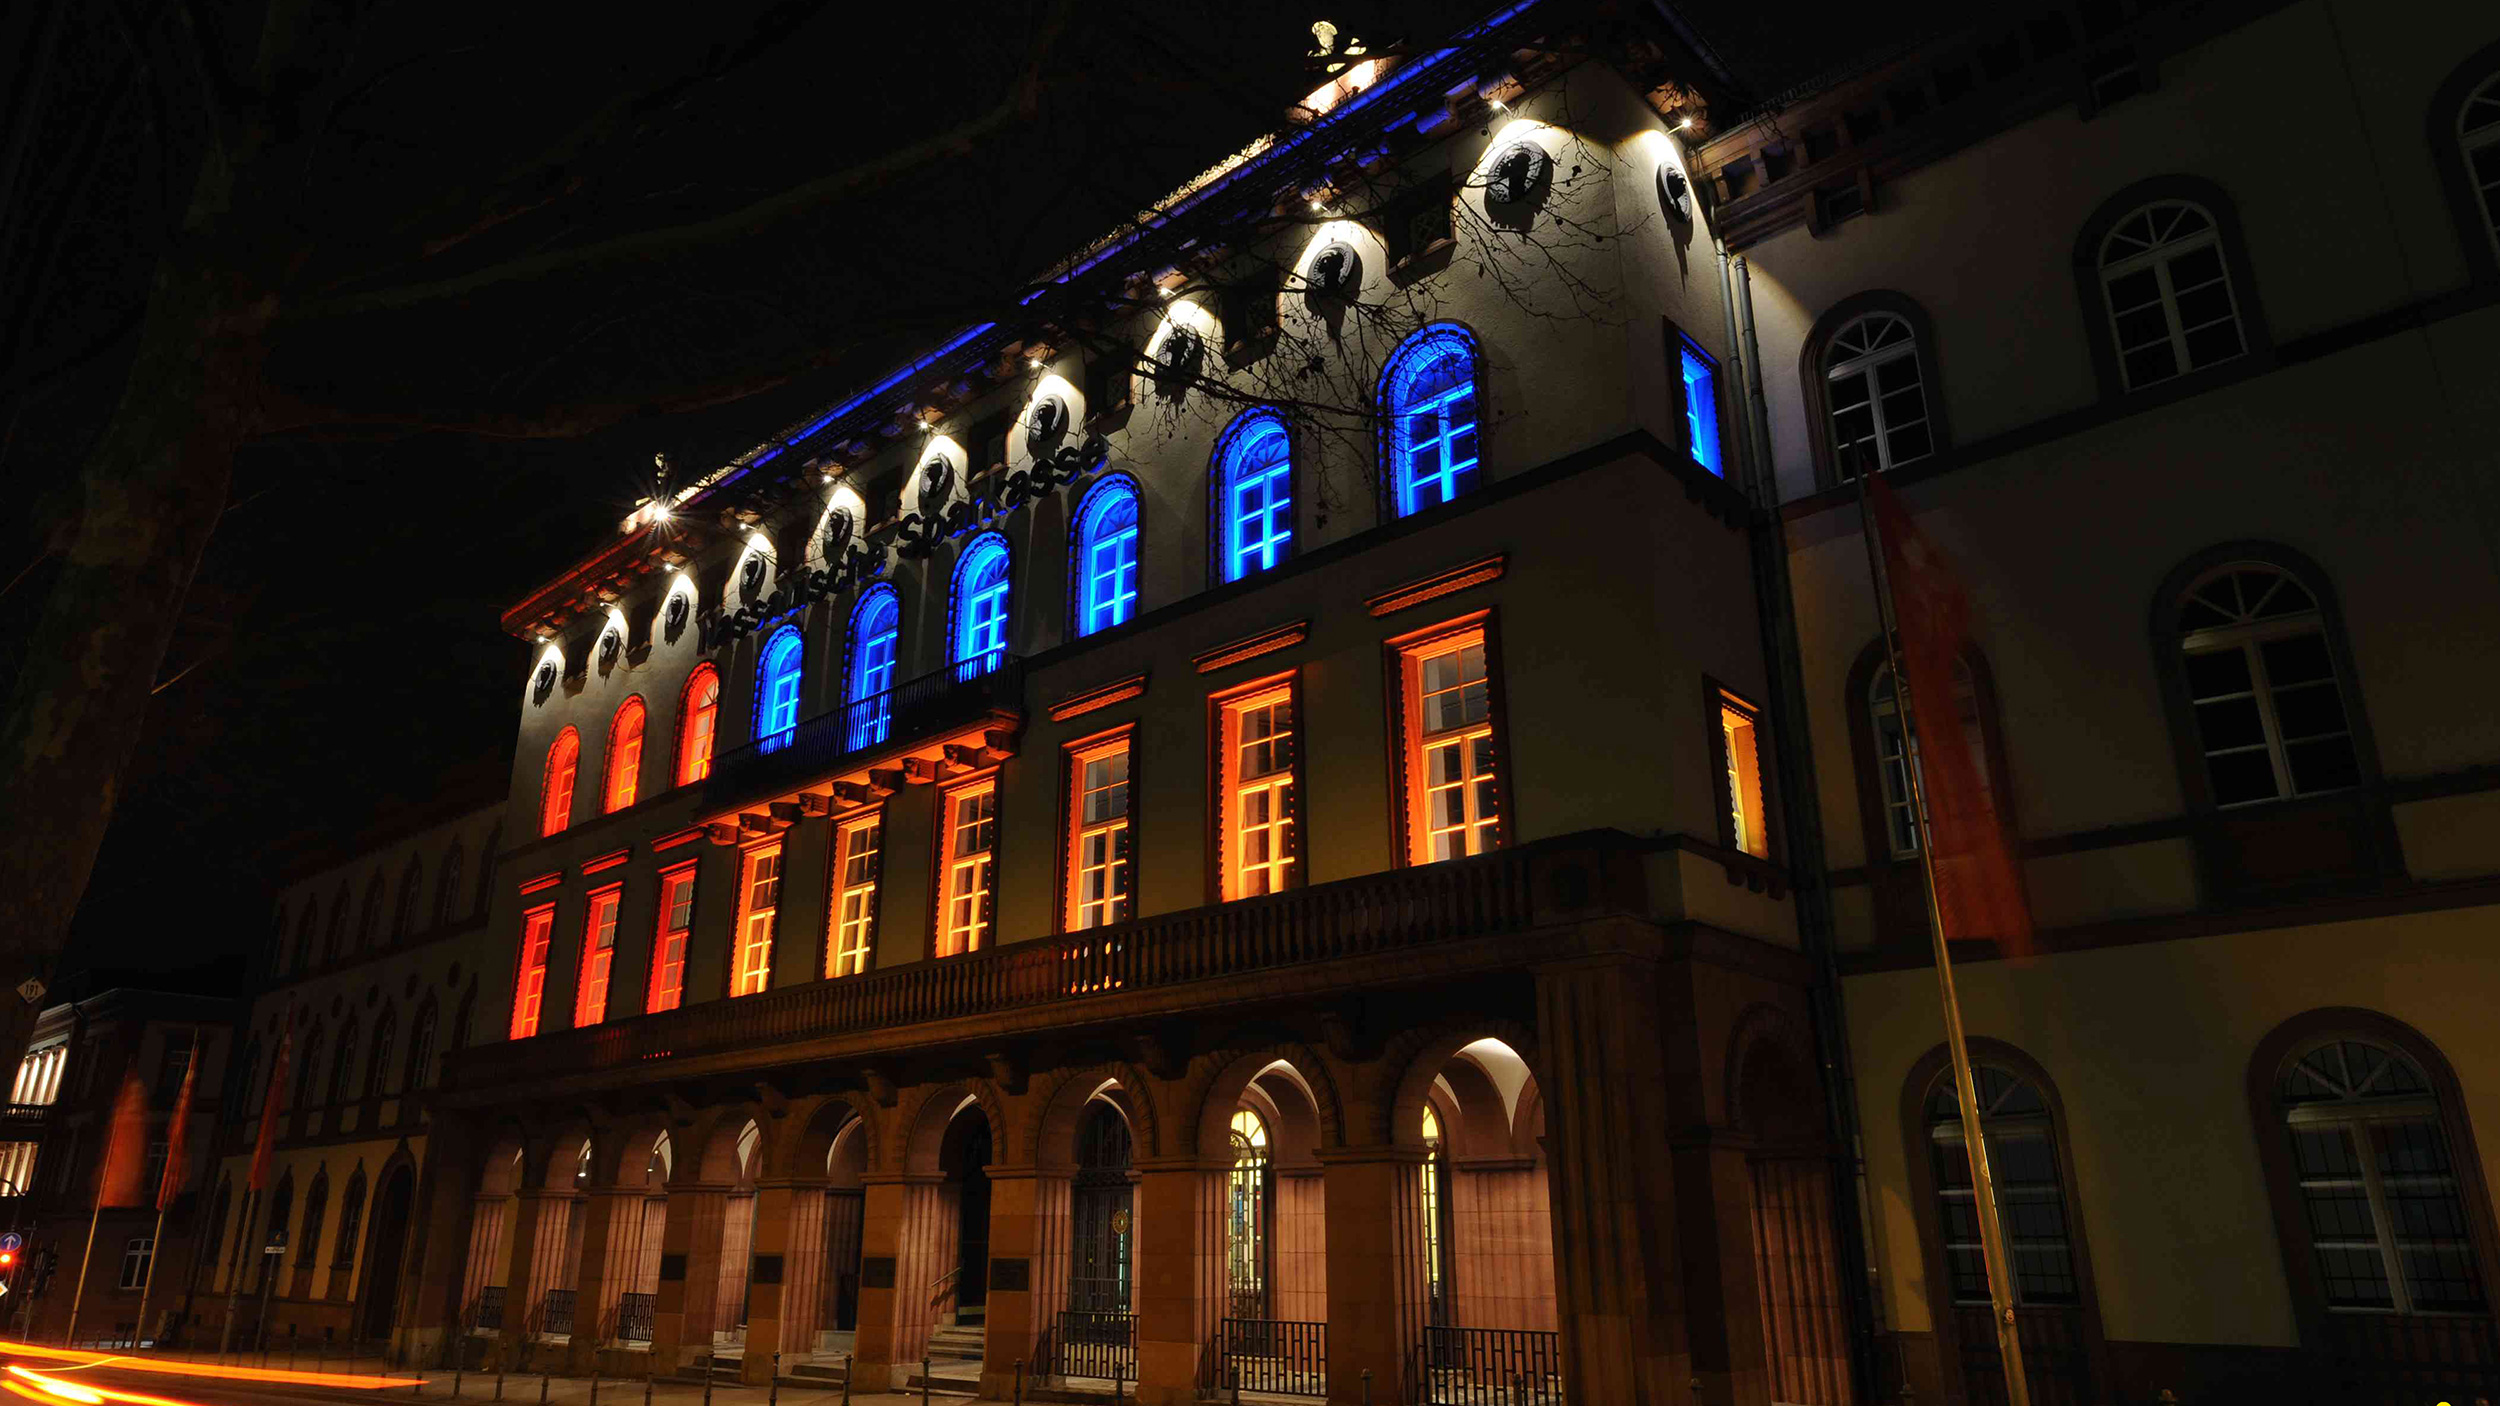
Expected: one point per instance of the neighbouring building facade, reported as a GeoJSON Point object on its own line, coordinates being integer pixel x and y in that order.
{"type": "Point", "coordinates": [82, 1163]}
{"type": "Point", "coordinates": [1324, 810]}
{"type": "Point", "coordinates": [372, 977]}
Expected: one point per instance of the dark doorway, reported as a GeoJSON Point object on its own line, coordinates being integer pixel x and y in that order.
{"type": "Point", "coordinates": [966, 1161]}
{"type": "Point", "coordinates": [389, 1249]}
{"type": "Point", "coordinates": [1098, 1273]}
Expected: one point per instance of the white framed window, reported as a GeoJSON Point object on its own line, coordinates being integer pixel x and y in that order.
{"type": "Point", "coordinates": [538, 929]}
{"type": "Point", "coordinates": [759, 905]}
{"type": "Point", "coordinates": [2168, 287]}
{"type": "Point", "coordinates": [971, 812]}
{"type": "Point", "coordinates": [2478, 141]}
{"type": "Point", "coordinates": [1453, 790]}
{"type": "Point", "coordinates": [1896, 751]}
{"type": "Point", "coordinates": [1875, 393]}
{"type": "Point", "coordinates": [2377, 1184]}
{"type": "Point", "coordinates": [2015, 1120]}
{"type": "Point", "coordinates": [1260, 820]}
{"type": "Point", "coordinates": [857, 865]}
{"type": "Point", "coordinates": [138, 1261]}
{"type": "Point", "coordinates": [1100, 874]}
{"type": "Point", "coordinates": [2269, 711]}
{"type": "Point", "coordinates": [590, 997]}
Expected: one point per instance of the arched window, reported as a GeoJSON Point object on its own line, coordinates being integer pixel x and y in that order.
{"type": "Point", "coordinates": [281, 1208]}
{"type": "Point", "coordinates": [2162, 272]}
{"type": "Point", "coordinates": [777, 689]}
{"type": "Point", "coordinates": [411, 884]}
{"type": "Point", "coordinates": [307, 932]}
{"type": "Point", "coordinates": [1429, 402]}
{"type": "Point", "coordinates": [624, 769]}
{"type": "Point", "coordinates": [343, 1065]}
{"type": "Point", "coordinates": [2478, 133]}
{"type": "Point", "coordinates": [1253, 494]}
{"type": "Point", "coordinates": [334, 945]}
{"type": "Point", "coordinates": [1247, 1215]}
{"type": "Point", "coordinates": [1436, 1219]}
{"type": "Point", "coordinates": [1106, 555]}
{"type": "Point", "coordinates": [1871, 370]}
{"type": "Point", "coordinates": [876, 632]}
{"type": "Point", "coordinates": [422, 1066]}
{"type": "Point", "coordinates": [2374, 1170]}
{"type": "Point", "coordinates": [447, 888]}
{"type": "Point", "coordinates": [308, 1073]}
{"type": "Point", "coordinates": [2465, 134]}
{"type": "Point", "coordinates": [351, 1220]}
{"type": "Point", "coordinates": [316, 1203]}
{"type": "Point", "coordinates": [555, 805]}
{"type": "Point", "coordinates": [698, 713]}
{"type": "Point", "coordinates": [2261, 679]}
{"type": "Point", "coordinates": [978, 631]}
{"type": "Point", "coordinates": [1896, 751]}
{"type": "Point", "coordinates": [378, 1069]}
{"type": "Point", "coordinates": [370, 923]}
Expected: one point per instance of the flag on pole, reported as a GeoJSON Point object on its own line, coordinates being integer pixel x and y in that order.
{"type": "Point", "coordinates": [267, 1143]}
{"type": "Point", "coordinates": [178, 1134]}
{"type": "Point", "coordinates": [1979, 887]}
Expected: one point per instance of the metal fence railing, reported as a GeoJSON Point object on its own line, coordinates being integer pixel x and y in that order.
{"type": "Point", "coordinates": [633, 1317]}
{"type": "Point", "coordinates": [489, 1307]}
{"type": "Point", "coordinates": [556, 1312]}
{"type": "Point", "coordinates": [1271, 1355]}
{"type": "Point", "coordinates": [1490, 1367]}
{"type": "Point", "coordinates": [1095, 1344]}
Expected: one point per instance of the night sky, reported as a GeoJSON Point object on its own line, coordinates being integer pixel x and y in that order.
{"type": "Point", "coordinates": [339, 667]}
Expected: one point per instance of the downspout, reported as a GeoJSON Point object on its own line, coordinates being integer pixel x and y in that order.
{"type": "Point", "coordinates": [1801, 830]}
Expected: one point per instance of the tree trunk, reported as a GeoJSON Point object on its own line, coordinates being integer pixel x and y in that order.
{"type": "Point", "coordinates": [152, 492]}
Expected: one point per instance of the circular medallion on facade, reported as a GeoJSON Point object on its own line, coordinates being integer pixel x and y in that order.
{"type": "Point", "coordinates": [1675, 193]}
{"type": "Point", "coordinates": [841, 529]}
{"type": "Point", "coordinates": [1336, 271]}
{"type": "Point", "coordinates": [544, 682]}
{"type": "Point", "coordinates": [751, 575]}
{"type": "Point", "coordinates": [1044, 426]}
{"type": "Point", "coordinates": [1518, 175]}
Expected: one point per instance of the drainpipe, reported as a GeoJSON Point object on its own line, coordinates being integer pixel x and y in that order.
{"type": "Point", "coordinates": [1801, 830]}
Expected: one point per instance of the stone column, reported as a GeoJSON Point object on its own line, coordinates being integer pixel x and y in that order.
{"type": "Point", "coordinates": [1301, 1241]}
{"type": "Point", "coordinates": [1722, 1286]}
{"type": "Point", "coordinates": [611, 1257]}
{"type": "Point", "coordinates": [1619, 1295]}
{"type": "Point", "coordinates": [541, 1220]}
{"type": "Point", "coordinates": [1378, 1296]}
{"type": "Point", "coordinates": [784, 1276]}
{"type": "Point", "coordinates": [1029, 1233]}
{"type": "Point", "coordinates": [440, 1224]}
{"type": "Point", "coordinates": [901, 1242]}
{"type": "Point", "coordinates": [1178, 1239]}
{"type": "Point", "coordinates": [682, 1310]}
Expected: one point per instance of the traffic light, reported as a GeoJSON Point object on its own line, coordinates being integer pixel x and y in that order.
{"type": "Point", "coordinates": [41, 1271]}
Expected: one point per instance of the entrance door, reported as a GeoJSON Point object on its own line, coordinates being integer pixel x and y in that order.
{"type": "Point", "coordinates": [968, 1163]}
{"type": "Point", "coordinates": [388, 1252]}
{"type": "Point", "coordinates": [1098, 1272]}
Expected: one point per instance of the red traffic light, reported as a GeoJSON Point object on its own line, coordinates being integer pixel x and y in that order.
{"type": "Point", "coordinates": [8, 1259]}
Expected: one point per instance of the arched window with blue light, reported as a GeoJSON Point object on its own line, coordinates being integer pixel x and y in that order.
{"type": "Point", "coordinates": [777, 690]}
{"type": "Point", "coordinates": [1254, 494]}
{"type": "Point", "coordinates": [1701, 403]}
{"type": "Point", "coordinates": [1428, 396]}
{"type": "Point", "coordinates": [876, 628]}
{"type": "Point", "coordinates": [1106, 555]}
{"type": "Point", "coordinates": [979, 635]}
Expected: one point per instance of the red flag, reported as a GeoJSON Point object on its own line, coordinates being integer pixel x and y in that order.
{"type": "Point", "coordinates": [178, 1134]}
{"type": "Point", "coordinates": [269, 1107]}
{"type": "Point", "coordinates": [1979, 886]}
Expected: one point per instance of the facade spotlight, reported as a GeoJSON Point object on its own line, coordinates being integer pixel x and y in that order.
{"type": "Point", "coordinates": [1687, 122]}
{"type": "Point", "coordinates": [660, 512]}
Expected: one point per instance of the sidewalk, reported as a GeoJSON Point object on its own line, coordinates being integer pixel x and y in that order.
{"type": "Point", "coordinates": [522, 1389]}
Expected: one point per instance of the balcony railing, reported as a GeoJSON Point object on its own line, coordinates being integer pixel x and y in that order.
{"type": "Point", "coordinates": [1580, 875]}
{"type": "Point", "coordinates": [1490, 1367]}
{"type": "Point", "coordinates": [1270, 1356]}
{"type": "Point", "coordinates": [908, 712]}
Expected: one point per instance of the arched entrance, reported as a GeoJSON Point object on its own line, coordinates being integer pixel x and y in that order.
{"type": "Point", "coordinates": [846, 1162]}
{"type": "Point", "coordinates": [1483, 1229]}
{"type": "Point", "coordinates": [388, 1253]}
{"type": "Point", "coordinates": [1101, 1210]}
{"type": "Point", "coordinates": [1272, 1334]}
{"type": "Point", "coordinates": [964, 1158]}
{"type": "Point", "coordinates": [738, 1242]}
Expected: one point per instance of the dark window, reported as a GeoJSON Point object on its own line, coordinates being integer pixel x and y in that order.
{"type": "Point", "coordinates": [2267, 703]}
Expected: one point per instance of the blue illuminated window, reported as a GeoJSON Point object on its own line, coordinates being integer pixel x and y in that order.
{"type": "Point", "coordinates": [1106, 555]}
{"type": "Point", "coordinates": [1701, 406]}
{"type": "Point", "coordinates": [980, 643]}
{"type": "Point", "coordinates": [876, 627]}
{"type": "Point", "coordinates": [1254, 494]}
{"type": "Point", "coordinates": [1429, 396]}
{"type": "Point", "coordinates": [777, 690]}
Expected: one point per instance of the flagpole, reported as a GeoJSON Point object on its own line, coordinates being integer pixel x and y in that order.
{"type": "Point", "coordinates": [1965, 1094]}
{"type": "Point", "coordinates": [174, 1153]}
{"type": "Point", "coordinates": [104, 1178]}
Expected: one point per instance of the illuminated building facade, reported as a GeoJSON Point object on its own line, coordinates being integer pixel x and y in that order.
{"type": "Point", "coordinates": [1073, 860]}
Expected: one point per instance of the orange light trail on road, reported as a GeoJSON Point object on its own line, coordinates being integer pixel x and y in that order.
{"type": "Point", "coordinates": [205, 1370]}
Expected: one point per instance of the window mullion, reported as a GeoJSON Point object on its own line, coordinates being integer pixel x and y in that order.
{"type": "Point", "coordinates": [2263, 694]}
{"type": "Point", "coordinates": [2365, 1148]}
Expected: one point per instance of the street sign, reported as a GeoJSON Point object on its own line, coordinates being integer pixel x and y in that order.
{"type": "Point", "coordinates": [30, 990]}
{"type": "Point", "coordinates": [12, 1241]}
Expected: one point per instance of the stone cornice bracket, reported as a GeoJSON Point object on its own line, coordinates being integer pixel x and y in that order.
{"type": "Point", "coordinates": [1340, 1033]}
{"type": "Point", "coordinates": [880, 1085]}
{"type": "Point", "coordinates": [1004, 1070]}
{"type": "Point", "coordinates": [775, 1102]}
{"type": "Point", "coordinates": [681, 1114]}
{"type": "Point", "coordinates": [1149, 1052]}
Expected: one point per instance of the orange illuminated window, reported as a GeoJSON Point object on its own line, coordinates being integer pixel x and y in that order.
{"type": "Point", "coordinates": [697, 714]}
{"type": "Point", "coordinates": [625, 755]}
{"type": "Point", "coordinates": [855, 872]}
{"type": "Point", "coordinates": [1745, 823]}
{"type": "Point", "coordinates": [970, 867]}
{"type": "Point", "coordinates": [555, 804]}
{"type": "Point", "coordinates": [590, 996]}
{"type": "Point", "coordinates": [538, 928]}
{"type": "Point", "coordinates": [668, 947]}
{"type": "Point", "coordinates": [1453, 793]}
{"type": "Point", "coordinates": [1100, 875]}
{"type": "Point", "coordinates": [759, 901]}
{"type": "Point", "coordinates": [1258, 828]}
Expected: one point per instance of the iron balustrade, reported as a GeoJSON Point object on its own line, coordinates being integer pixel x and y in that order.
{"type": "Point", "coordinates": [1275, 1356]}
{"type": "Point", "coordinates": [912, 711]}
{"type": "Point", "coordinates": [490, 1306]}
{"type": "Point", "coordinates": [556, 1312]}
{"type": "Point", "coordinates": [633, 1317]}
{"type": "Point", "coordinates": [2397, 1359]}
{"type": "Point", "coordinates": [1588, 876]}
{"type": "Point", "coordinates": [1491, 1367]}
{"type": "Point", "coordinates": [1088, 1344]}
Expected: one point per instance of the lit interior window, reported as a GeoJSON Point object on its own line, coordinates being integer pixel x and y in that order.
{"type": "Point", "coordinates": [538, 927]}
{"type": "Point", "coordinates": [1453, 796]}
{"type": "Point", "coordinates": [1701, 407]}
{"type": "Point", "coordinates": [702, 712]}
{"type": "Point", "coordinates": [590, 1001]}
{"type": "Point", "coordinates": [556, 803]}
{"type": "Point", "coordinates": [1431, 386]}
{"type": "Point", "coordinates": [759, 900]}
{"type": "Point", "coordinates": [625, 755]}
{"type": "Point", "coordinates": [668, 948]}
{"type": "Point", "coordinates": [1741, 752]}
{"type": "Point", "coordinates": [1100, 875]}
{"type": "Point", "coordinates": [1260, 816]}
{"type": "Point", "coordinates": [1107, 556]}
{"type": "Point", "coordinates": [876, 628]}
{"type": "Point", "coordinates": [855, 896]}
{"type": "Point", "coordinates": [981, 600]}
{"type": "Point", "coordinates": [1256, 474]}
{"type": "Point", "coordinates": [971, 850]}
{"type": "Point", "coordinates": [777, 691]}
